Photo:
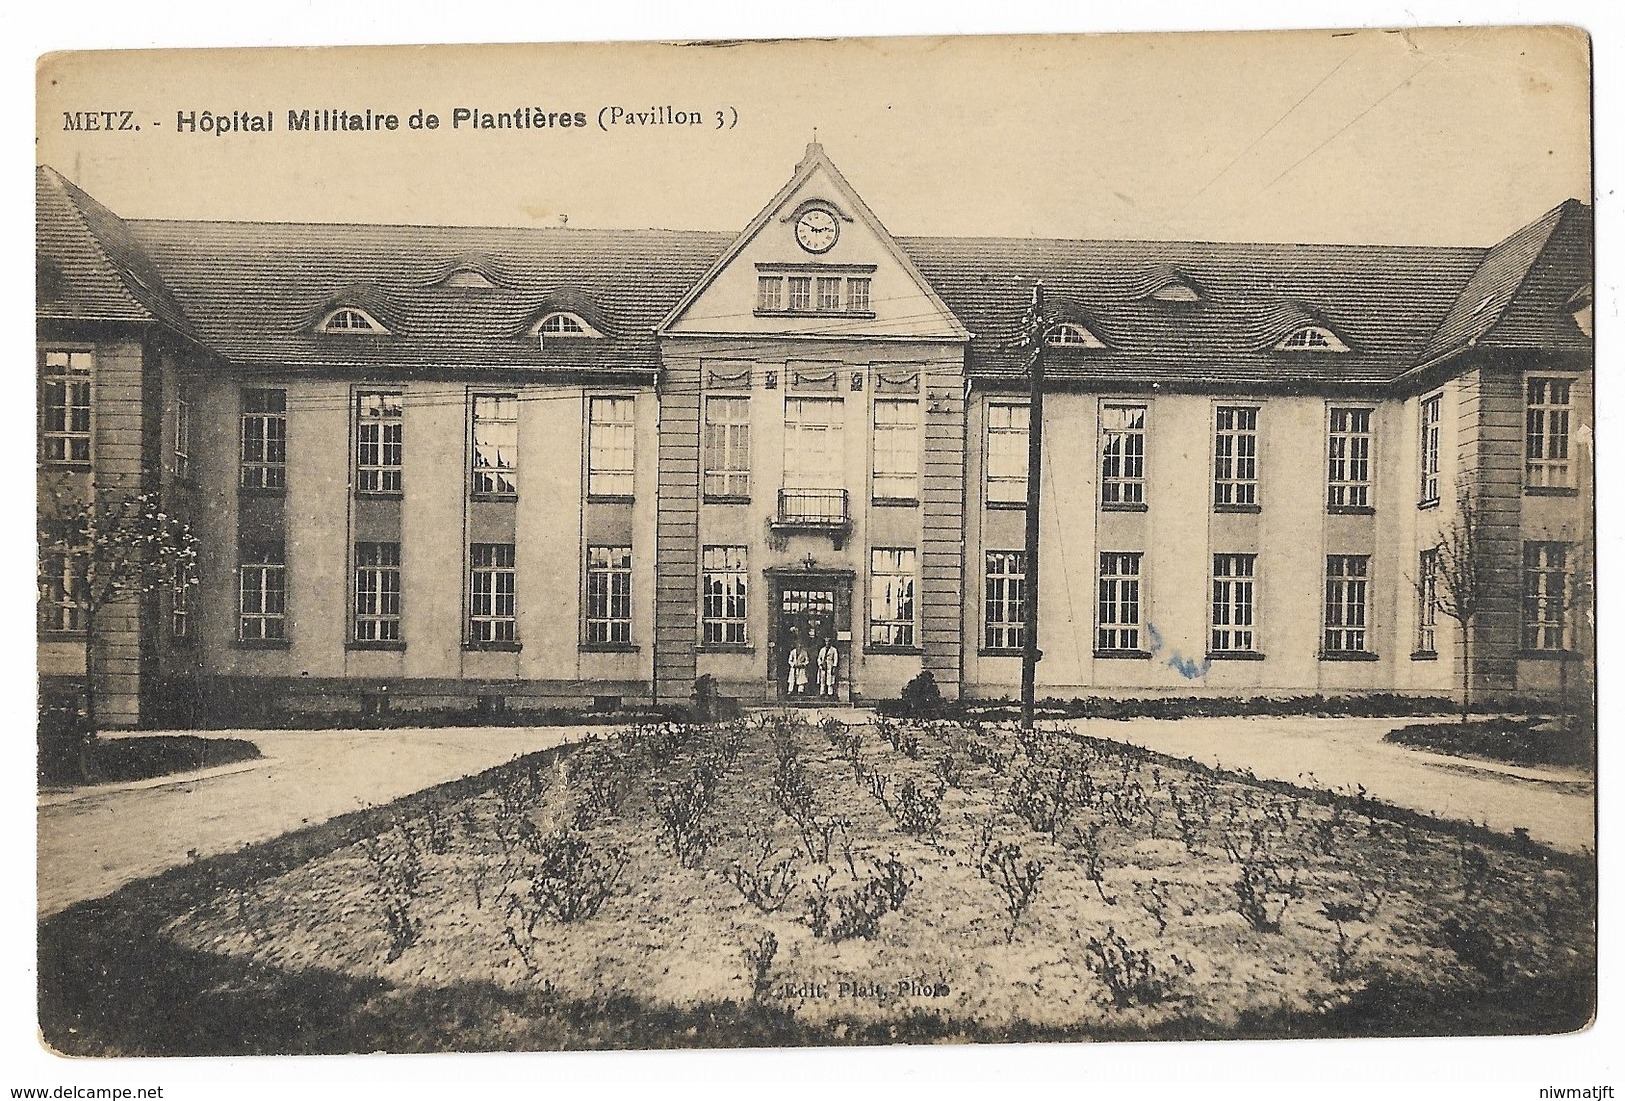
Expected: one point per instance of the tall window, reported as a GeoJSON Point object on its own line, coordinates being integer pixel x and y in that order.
{"type": "Point", "coordinates": [1118, 612]}
{"type": "Point", "coordinates": [378, 443]}
{"type": "Point", "coordinates": [1429, 452]}
{"type": "Point", "coordinates": [1006, 453]}
{"type": "Point", "coordinates": [377, 592]}
{"type": "Point", "coordinates": [1545, 596]}
{"type": "Point", "coordinates": [1235, 455]}
{"type": "Point", "coordinates": [1427, 601]}
{"type": "Point", "coordinates": [64, 407]}
{"type": "Point", "coordinates": [609, 596]}
{"type": "Point", "coordinates": [800, 292]}
{"type": "Point", "coordinates": [264, 439]}
{"type": "Point", "coordinates": [814, 454]}
{"type": "Point", "coordinates": [724, 615]}
{"type": "Point", "coordinates": [727, 447]}
{"type": "Point", "coordinates": [857, 296]}
{"type": "Point", "coordinates": [611, 446]}
{"type": "Point", "coordinates": [262, 593]}
{"type": "Point", "coordinates": [1233, 604]}
{"type": "Point", "coordinates": [1005, 594]}
{"type": "Point", "coordinates": [62, 592]}
{"type": "Point", "coordinates": [1346, 580]}
{"type": "Point", "coordinates": [183, 435]}
{"type": "Point", "coordinates": [491, 604]}
{"type": "Point", "coordinates": [180, 605]}
{"type": "Point", "coordinates": [1348, 459]}
{"type": "Point", "coordinates": [829, 294]}
{"type": "Point", "coordinates": [496, 444]}
{"type": "Point", "coordinates": [897, 449]}
{"type": "Point", "coordinates": [1546, 451]}
{"type": "Point", "coordinates": [1122, 454]}
{"type": "Point", "coordinates": [891, 597]}
{"type": "Point", "coordinates": [769, 292]}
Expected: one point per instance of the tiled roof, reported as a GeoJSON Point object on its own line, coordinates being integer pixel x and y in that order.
{"type": "Point", "coordinates": [1538, 311]}
{"type": "Point", "coordinates": [1383, 301]}
{"type": "Point", "coordinates": [258, 291]}
{"type": "Point", "coordinates": [89, 267]}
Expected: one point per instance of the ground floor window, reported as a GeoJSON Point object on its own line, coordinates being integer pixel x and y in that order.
{"type": "Point", "coordinates": [262, 593]}
{"type": "Point", "coordinates": [1427, 601]}
{"type": "Point", "coordinates": [377, 592]}
{"type": "Point", "coordinates": [1004, 598]}
{"type": "Point", "coordinates": [723, 613]}
{"type": "Point", "coordinates": [891, 597]}
{"type": "Point", "coordinates": [1118, 614]}
{"type": "Point", "coordinates": [1346, 583]}
{"type": "Point", "coordinates": [62, 591]}
{"type": "Point", "coordinates": [491, 608]}
{"type": "Point", "coordinates": [1545, 593]}
{"type": "Point", "coordinates": [609, 596]}
{"type": "Point", "coordinates": [1233, 604]}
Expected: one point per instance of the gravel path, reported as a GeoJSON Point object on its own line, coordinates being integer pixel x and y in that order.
{"type": "Point", "coordinates": [94, 842]}
{"type": "Point", "coordinates": [1557, 805]}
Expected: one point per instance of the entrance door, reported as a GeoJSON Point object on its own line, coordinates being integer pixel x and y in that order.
{"type": "Point", "coordinates": [807, 617]}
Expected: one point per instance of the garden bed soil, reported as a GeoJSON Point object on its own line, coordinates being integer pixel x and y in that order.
{"type": "Point", "coordinates": [1172, 901]}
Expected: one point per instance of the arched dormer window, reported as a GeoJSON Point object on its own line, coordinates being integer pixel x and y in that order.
{"type": "Point", "coordinates": [1311, 338]}
{"type": "Point", "coordinates": [467, 277]}
{"type": "Point", "coordinates": [349, 319]}
{"type": "Point", "coordinates": [1071, 335]}
{"type": "Point", "coordinates": [563, 323]}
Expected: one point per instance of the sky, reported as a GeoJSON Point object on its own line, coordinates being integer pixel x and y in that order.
{"type": "Point", "coordinates": [1434, 137]}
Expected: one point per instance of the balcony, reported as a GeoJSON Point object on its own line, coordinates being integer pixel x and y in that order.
{"type": "Point", "coordinates": [817, 510]}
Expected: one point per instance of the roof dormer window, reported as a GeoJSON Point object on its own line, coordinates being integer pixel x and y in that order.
{"type": "Point", "coordinates": [1070, 335]}
{"type": "Point", "coordinates": [1176, 289]}
{"type": "Point", "coordinates": [468, 277]}
{"type": "Point", "coordinates": [1311, 338]}
{"type": "Point", "coordinates": [562, 324]}
{"type": "Point", "coordinates": [350, 320]}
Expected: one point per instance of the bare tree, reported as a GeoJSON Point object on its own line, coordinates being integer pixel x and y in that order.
{"type": "Point", "coordinates": [1461, 579]}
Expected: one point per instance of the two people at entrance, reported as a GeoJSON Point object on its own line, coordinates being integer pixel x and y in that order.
{"type": "Point", "coordinates": [828, 662]}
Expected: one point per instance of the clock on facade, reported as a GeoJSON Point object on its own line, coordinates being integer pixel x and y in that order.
{"type": "Point", "coordinates": [816, 230]}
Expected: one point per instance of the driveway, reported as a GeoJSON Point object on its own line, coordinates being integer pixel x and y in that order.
{"type": "Point", "coordinates": [93, 841]}
{"type": "Point", "coordinates": [1557, 805]}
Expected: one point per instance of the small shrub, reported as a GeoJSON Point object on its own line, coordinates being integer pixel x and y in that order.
{"type": "Point", "coordinates": [1341, 915]}
{"type": "Point", "coordinates": [759, 961]}
{"type": "Point", "coordinates": [1474, 945]}
{"type": "Point", "coordinates": [766, 886]}
{"type": "Point", "coordinates": [570, 879]}
{"type": "Point", "coordinates": [1262, 897]}
{"type": "Point", "coordinates": [683, 807]}
{"type": "Point", "coordinates": [1153, 899]}
{"type": "Point", "coordinates": [856, 913]}
{"type": "Point", "coordinates": [1086, 842]}
{"type": "Point", "coordinates": [917, 812]}
{"type": "Point", "coordinates": [922, 698]}
{"type": "Point", "coordinates": [949, 770]}
{"type": "Point", "coordinates": [1016, 880]}
{"type": "Point", "coordinates": [1129, 973]}
{"type": "Point", "coordinates": [397, 867]}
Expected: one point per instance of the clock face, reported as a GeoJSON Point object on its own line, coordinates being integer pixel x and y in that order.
{"type": "Point", "coordinates": [816, 230]}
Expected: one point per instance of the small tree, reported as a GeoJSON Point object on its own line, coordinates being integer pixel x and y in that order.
{"type": "Point", "coordinates": [1462, 579]}
{"type": "Point", "coordinates": [122, 547]}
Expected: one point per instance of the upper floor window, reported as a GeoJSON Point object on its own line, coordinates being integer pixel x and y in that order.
{"type": "Point", "coordinates": [812, 292]}
{"type": "Point", "coordinates": [1235, 456]}
{"type": "Point", "coordinates": [64, 407]}
{"type": "Point", "coordinates": [891, 597]}
{"type": "Point", "coordinates": [724, 613]}
{"type": "Point", "coordinates": [1311, 338]}
{"type": "Point", "coordinates": [1429, 452]}
{"type": "Point", "coordinates": [1233, 604]}
{"type": "Point", "coordinates": [183, 435]}
{"type": "Point", "coordinates": [262, 592]}
{"type": "Point", "coordinates": [611, 443]}
{"type": "Point", "coordinates": [1117, 614]}
{"type": "Point", "coordinates": [1545, 596]}
{"type": "Point", "coordinates": [1346, 585]}
{"type": "Point", "coordinates": [377, 592]}
{"type": "Point", "coordinates": [1007, 453]}
{"type": "Point", "coordinates": [897, 449]}
{"type": "Point", "coordinates": [495, 424]}
{"type": "Point", "coordinates": [814, 448]}
{"type": "Point", "coordinates": [1122, 454]}
{"type": "Point", "coordinates": [857, 295]}
{"type": "Point", "coordinates": [378, 439]}
{"type": "Point", "coordinates": [350, 320]}
{"type": "Point", "coordinates": [609, 596]}
{"type": "Point", "coordinates": [1069, 335]}
{"type": "Point", "coordinates": [727, 446]}
{"type": "Point", "coordinates": [1348, 459]}
{"type": "Point", "coordinates": [1546, 436]}
{"type": "Point", "coordinates": [1004, 600]}
{"type": "Point", "coordinates": [801, 292]}
{"type": "Point", "coordinates": [264, 439]}
{"type": "Point", "coordinates": [829, 294]}
{"type": "Point", "coordinates": [770, 292]}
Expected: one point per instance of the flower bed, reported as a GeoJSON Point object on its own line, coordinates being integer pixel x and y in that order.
{"type": "Point", "coordinates": [772, 882]}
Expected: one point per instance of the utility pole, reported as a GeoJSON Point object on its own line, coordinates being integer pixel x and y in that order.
{"type": "Point", "coordinates": [1030, 653]}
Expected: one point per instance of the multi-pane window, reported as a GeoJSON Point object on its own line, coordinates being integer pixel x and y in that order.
{"type": "Point", "coordinates": [1118, 611]}
{"type": "Point", "coordinates": [495, 423]}
{"type": "Point", "coordinates": [814, 454]}
{"type": "Point", "coordinates": [264, 439]}
{"type": "Point", "coordinates": [897, 449]}
{"type": "Point", "coordinates": [62, 591]}
{"type": "Point", "coordinates": [1006, 452]}
{"type": "Point", "coordinates": [769, 292]}
{"type": "Point", "coordinates": [1429, 452]}
{"type": "Point", "coordinates": [1546, 448]}
{"type": "Point", "coordinates": [800, 292]}
{"type": "Point", "coordinates": [611, 444]}
{"type": "Point", "coordinates": [378, 443]}
{"type": "Point", "coordinates": [857, 296]}
{"type": "Point", "coordinates": [724, 612]}
{"type": "Point", "coordinates": [491, 604]}
{"type": "Point", "coordinates": [262, 591]}
{"type": "Point", "coordinates": [1427, 601]}
{"type": "Point", "coordinates": [377, 592]}
{"type": "Point", "coordinates": [1348, 459]}
{"type": "Point", "coordinates": [183, 435]}
{"type": "Point", "coordinates": [64, 407]}
{"type": "Point", "coordinates": [1122, 454]}
{"type": "Point", "coordinates": [180, 605]}
{"type": "Point", "coordinates": [1235, 455]}
{"type": "Point", "coordinates": [609, 596]}
{"type": "Point", "coordinates": [1233, 604]}
{"type": "Point", "coordinates": [829, 294]}
{"type": "Point", "coordinates": [1004, 599]}
{"type": "Point", "coordinates": [891, 596]}
{"type": "Point", "coordinates": [1545, 596]}
{"type": "Point", "coordinates": [1346, 585]}
{"type": "Point", "coordinates": [727, 446]}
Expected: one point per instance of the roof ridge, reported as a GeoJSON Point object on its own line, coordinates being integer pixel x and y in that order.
{"type": "Point", "coordinates": [72, 193]}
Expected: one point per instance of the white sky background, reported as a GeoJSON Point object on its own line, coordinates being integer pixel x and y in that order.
{"type": "Point", "coordinates": [1132, 146]}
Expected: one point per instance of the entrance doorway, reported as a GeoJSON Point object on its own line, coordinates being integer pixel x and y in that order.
{"type": "Point", "coordinates": [810, 611]}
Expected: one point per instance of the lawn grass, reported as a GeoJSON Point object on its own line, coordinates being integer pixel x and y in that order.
{"type": "Point", "coordinates": [144, 757]}
{"type": "Point", "coordinates": [1171, 901]}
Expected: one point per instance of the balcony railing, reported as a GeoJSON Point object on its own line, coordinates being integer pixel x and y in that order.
{"type": "Point", "coordinates": [813, 510]}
